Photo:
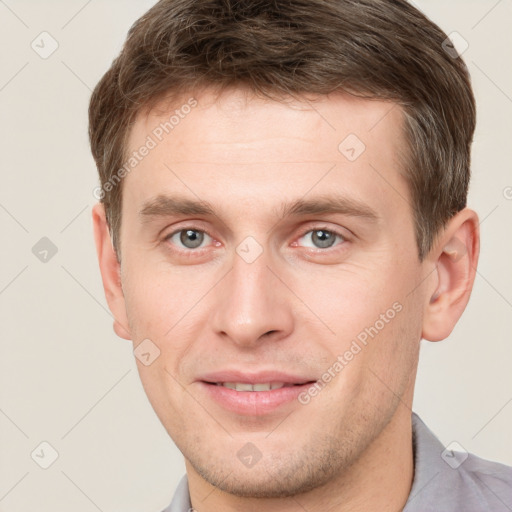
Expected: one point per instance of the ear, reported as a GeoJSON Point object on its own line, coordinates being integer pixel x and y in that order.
{"type": "Point", "coordinates": [455, 256]}
{"type": "Point", "coordinates": [110, 269]}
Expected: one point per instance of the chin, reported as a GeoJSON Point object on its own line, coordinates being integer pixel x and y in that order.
{"type": "Point", "coordinates": [270, 477]}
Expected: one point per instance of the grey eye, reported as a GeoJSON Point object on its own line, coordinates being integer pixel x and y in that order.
{"type": "Point", "coordinates": [188, 238]}
{"type": "Point", "coordinates": [321, 238]}
{"type": "Point", "coordinates": [191, 238]}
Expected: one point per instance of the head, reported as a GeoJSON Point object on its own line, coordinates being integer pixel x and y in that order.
{"type": "Point", "coordinates": [283, 196]}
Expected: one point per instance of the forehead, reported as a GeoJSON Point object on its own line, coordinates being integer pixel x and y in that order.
{"type": "Point", "coordinates": [260, 149]}
{"type": "Point", "coordinates": [238, 117]}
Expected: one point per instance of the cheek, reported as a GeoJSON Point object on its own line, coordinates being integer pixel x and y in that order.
{"type": "Point", "coordinates": [153, 297]}
{"type": "Point", "coordinates": [346, 299]}
{"type": "Point", "coordinates": [371, 319]}
{"type": "Point", "coordinates": [156, 301]}
{"type": "Point", "coordinates": [165, 305]}
{"type": "Point", "coordinates": [393, 351]}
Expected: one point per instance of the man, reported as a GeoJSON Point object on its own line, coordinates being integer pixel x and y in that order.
{"type": "Point", "coordinates": [282, 219]}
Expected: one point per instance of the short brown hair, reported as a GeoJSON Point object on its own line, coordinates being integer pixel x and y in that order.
{"type": "Point", "coordinates": [382, 49]}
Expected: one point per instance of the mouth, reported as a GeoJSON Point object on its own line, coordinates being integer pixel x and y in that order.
{"type": "Point", "coordinates": [255, 398]}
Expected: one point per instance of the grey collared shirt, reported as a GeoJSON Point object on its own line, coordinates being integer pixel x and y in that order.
{"type": "Point", "coordinates": [444, 480]}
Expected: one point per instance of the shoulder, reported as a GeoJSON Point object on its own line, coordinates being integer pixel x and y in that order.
{"type": "Point", "coordinates": [447, 480]}
{"type": "Point", "coordinates": [488, 482]}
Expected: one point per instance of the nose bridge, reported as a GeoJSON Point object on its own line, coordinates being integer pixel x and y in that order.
{"type": "Point", "coordinates": [251, 302]}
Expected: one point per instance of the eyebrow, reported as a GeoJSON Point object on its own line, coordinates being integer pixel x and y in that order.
{"type": "Point", "coordinates": [329, 205]}
{"type": "Point", "coordinates": [166, 206]}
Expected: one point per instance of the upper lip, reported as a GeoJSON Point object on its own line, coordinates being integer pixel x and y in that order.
{"type": "Point", "coordinates": [252, 377]}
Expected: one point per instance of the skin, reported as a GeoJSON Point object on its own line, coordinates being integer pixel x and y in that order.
{"type": "Point", "coordinates": [296, 308]}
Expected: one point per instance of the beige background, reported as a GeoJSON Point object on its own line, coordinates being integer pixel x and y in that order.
{"type": "Point", "coordinates": [66, 379]}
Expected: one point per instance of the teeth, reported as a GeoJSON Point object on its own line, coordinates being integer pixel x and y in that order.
{"type": "Point", "coordinates": [243, 386]}
{"type": "Point", "coordinates": [261, 387]}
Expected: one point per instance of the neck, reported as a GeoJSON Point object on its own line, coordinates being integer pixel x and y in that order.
{"type": "Point", "coordinates": [380, 479]}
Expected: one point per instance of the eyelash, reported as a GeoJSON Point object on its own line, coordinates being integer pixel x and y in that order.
{"type": "Point", "coordinates": [192, 253]}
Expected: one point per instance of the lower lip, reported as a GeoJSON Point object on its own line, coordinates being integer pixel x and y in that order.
{"type": "Point", "coordinates": [253, 403]}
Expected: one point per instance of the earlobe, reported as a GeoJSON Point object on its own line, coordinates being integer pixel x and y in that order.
{"type": "Point", "coordinates": [121, 331]}
{"type": "Point", "coordinates": [456, 257]}
{"type": "Point", "coordinates": [110, 271]}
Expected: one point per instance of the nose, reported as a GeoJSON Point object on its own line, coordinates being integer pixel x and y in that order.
{"type": "Point", "coordinates": [252, 304]}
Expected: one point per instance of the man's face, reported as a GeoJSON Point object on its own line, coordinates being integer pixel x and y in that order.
{"type": "Point", "coordinates": [256, 292]}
